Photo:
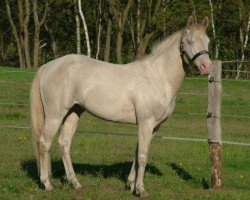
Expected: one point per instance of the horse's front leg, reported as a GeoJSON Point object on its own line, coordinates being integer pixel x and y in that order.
{"type": "Point", "coordinates": [144, 139]}
{"type": "Point", "coordinates": [134, 169]}
{"type": "Point", "coordinates": [133, 172]}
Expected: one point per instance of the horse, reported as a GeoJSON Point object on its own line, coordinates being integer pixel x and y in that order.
{"type": "Point", "coordinates": [142, 92]}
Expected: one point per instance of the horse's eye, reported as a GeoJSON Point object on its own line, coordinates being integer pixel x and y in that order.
{"type": "Point", "coordinates": [190, 42]}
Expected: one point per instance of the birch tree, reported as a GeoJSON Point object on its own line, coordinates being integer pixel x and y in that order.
{"type": "Point", "coordinates": [243, 37]}
{"type": "Point", "coordinates": [214, 29]}
{"type": "Point", "coordinates": [78, 33]}
{"type": "Point", "coordinates": [85, 28]}
{"type": "Point", "coordinates": [99, 28]}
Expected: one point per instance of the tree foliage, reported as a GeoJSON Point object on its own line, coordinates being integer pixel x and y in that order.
{"type": "Point", "coordinates": [126, 30]}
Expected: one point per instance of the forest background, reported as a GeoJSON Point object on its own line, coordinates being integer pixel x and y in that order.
{"type": "Point", "coordinates": [34, 32]}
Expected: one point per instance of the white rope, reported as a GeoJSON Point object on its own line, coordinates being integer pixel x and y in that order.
{"type": "Point", "coordinates": [225, 70]}
{"type": "Point", "coordinates": [192, 93]}
{"type": "Point", "coordinates": [5, 72]}
{"type": "Point", "coordinates": [15, 104]}
{"type": "Point", "coordinates": [189, 93]}
{"type": "Point", "coordinates": [164, 138]}
{"type": "Point", "coordinates": [177, 113]}
{"type": "Point", "coordinates": [17, 127]}
{"type": "Point", "coordinates": [204, 140]}
{"type": "Point", "coordinates": [15, 82]}
{"type": "Point", "coordinates": [205, 114]}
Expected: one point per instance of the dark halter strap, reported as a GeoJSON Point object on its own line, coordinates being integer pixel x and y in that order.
{"type": "Point", "coordinates": [185, 54]}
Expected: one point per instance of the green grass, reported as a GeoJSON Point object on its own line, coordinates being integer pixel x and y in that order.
{"type": "Point", "coordinates": [102, 151]}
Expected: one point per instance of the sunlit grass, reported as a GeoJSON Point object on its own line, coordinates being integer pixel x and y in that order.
{"type": "Point", "coordinates": [102, 152]}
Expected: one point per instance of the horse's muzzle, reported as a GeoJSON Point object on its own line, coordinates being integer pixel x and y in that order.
{"type": "Point", "coordinates": [206, 67]}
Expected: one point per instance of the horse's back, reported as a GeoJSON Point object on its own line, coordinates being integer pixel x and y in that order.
{"type": "Point", "coordinates": [104, 89]}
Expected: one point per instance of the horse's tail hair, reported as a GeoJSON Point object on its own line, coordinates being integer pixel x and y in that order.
{"type": "Point", "coordinates": [37, 115]}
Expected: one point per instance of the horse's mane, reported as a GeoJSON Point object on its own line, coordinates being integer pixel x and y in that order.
{"type": "Point", "coordinates": [166, 42]}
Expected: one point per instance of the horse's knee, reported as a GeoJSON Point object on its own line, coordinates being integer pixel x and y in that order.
{"type": "Point", "coordinates": [142, 160]}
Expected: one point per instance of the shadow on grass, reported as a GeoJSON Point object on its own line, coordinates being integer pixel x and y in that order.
{"type": "Point", "coordinates": [182, 173]}
{"type": "Point", "coordinates": [119, 170]}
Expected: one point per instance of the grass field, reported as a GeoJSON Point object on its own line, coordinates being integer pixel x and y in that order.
{"type": "Point", "coordinates": [102, 151]}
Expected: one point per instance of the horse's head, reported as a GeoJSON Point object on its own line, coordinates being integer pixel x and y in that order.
{"type": "Point", "coordinates": [194, 46]}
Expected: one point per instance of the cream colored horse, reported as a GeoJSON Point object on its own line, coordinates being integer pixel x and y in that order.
{"type": "Point", "coordinates": [142, 92]}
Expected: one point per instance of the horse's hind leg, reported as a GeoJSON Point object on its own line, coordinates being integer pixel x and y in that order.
{"type": "Point", "coordinates": [68, 130]}
{"type": "Point", "coordinates": [51, 126]}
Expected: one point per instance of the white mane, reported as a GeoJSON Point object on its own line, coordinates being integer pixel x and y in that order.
{"type": "Point", "coordinates": [165, 43]}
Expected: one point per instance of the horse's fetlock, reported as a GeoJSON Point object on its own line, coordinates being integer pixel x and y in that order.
{"type": "Point", "coordinates": [71, 177]}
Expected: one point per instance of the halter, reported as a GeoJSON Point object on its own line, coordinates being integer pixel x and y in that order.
{"type": "Point", "coordinates": [185, 54]}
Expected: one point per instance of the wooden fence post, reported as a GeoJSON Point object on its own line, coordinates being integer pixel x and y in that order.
{"type": "Point", "coordinates": [213, 122]}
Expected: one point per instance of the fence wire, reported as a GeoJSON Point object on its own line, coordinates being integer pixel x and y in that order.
{"type": "Point", "coordinates": [165, 138]}
{"type": "Point", "coordinates": [133, 134]}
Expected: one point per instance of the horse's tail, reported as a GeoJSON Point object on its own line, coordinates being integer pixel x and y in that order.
{"type": "Point", "coordinates": [37, 115]}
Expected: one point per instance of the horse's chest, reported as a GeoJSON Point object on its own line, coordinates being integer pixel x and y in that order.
{"type": "Point", "coordinates": [165, 110]}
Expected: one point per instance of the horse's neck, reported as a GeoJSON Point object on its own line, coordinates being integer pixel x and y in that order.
{"type": "Point", "coordinates": [167, 63]}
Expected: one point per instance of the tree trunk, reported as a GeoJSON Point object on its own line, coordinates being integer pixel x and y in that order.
{"type": "Point", "coordinates": [149, 20]}
{"type": "Point", "coordinates": [143, 45]}
{"type": "Point", "coordinates": [26, 34]}
{"type": "Point", "coordinates": [119, 46]}
{"type": "Point", "coordinates": [78, 33]}
{"type": "Point", "coordinates": [99, 29]}
{"type": "Point", "coordinates": [108, 40]}
{"type": "Point", "coordinates": [85, 28]}
{"type": "Point", "coordinates": [134, 38]}
{"type": "Point", "coordinates": [2, 45]}
{"type": "Point", "coordinates": [214, 31]}
{"type": "Point", "coordinates": [138, 23]}
{"type": "Point", "coordinates": [54, 45]}
{"type": "Point", "coordinates": [16, 36]}
{"type": "Point", "coordinates": [38, 25]}
{"type": "Point", "coordinates": [121, 18]}
{"type": "Point", "coordinates": [21, 31]}
{"type": "Point", "coordinates": [244, 44]}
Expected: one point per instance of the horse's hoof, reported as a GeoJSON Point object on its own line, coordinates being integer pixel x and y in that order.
{"type": "Point", "coordinates": [127, 187]}
{"type": "Point", "coordinates": [49, 188]}
{"type": "Point", "coordinates": [78, 186]}
{"type": "Point", "coordinates": [143, 195]}
{"type": "Point", "coordinates": [144, 198]}
{"type": "Point", "coordinates": [130, 186]}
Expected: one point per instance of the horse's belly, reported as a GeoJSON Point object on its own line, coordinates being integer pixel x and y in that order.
{"type": "Point", "coordinates": [116, 110]}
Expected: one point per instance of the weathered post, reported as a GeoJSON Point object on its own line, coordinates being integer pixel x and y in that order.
{"type": "Point", "coordinates": [213, 122]}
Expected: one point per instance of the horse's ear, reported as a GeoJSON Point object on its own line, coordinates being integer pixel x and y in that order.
{"type": "Point", "coordinates": [205, 22]}
{"type": "Point", "coordinates": [190, 22]}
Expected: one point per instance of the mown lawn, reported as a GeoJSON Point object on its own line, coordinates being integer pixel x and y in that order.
{"type": "Point", "coordinates": [102, 151]}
